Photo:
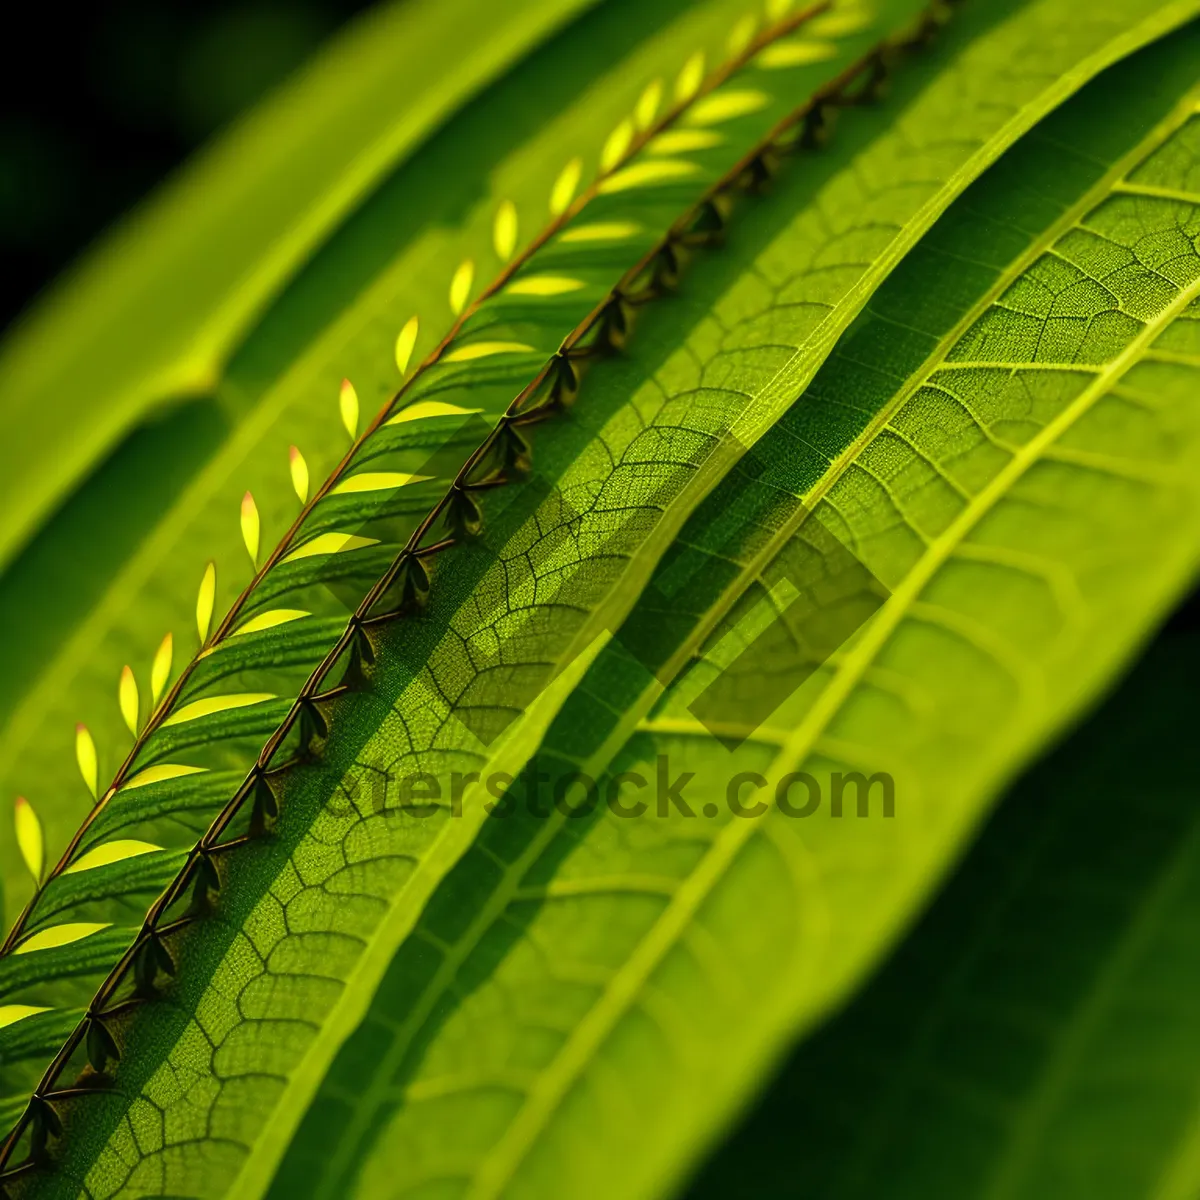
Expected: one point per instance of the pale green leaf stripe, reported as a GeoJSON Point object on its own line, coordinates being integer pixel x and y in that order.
{"type": "Point", "coordinates": [816, 899]}
{"type": "Point", "coordinates": [1033, 34]}
{"type": "Point", "coordinates": [121, 335]}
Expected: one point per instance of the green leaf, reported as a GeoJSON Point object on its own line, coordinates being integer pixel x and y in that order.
{"type": "Point", "coordinates": [201, 719]}
{"type": "Point", "coordinates": [444, 605]}
{"type": "Point", "coordinates": [382, 877]}
{"type": "Point", "coordinates": [1036, 1036]}
{"type": "Point", "coordinates": [565, 964]}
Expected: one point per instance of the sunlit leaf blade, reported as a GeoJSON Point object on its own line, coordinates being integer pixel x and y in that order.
{"type": "Point", "coordinates": [348, 407]}
{"type": "Point", "coordinates": [406, 340]}
{"type": "Point", "coordinates": [111, 852]}
{"type": "Point", "coordinates": [617, 145]}
{"type": "Point", "coordinates": [298, 470]}
{"type": "Point", "coordinates": [675, 927]}
{"type": "Point", "coordinates": [11, 1013]}
{"type": "Point", "coordinates": [460, 286]}
{"type": "Point", "coordinates": [127, 699]}
{"type": "Point", "coordinates": [504, 233]}
{"type": "Point", "coordinates": [204, 601]}
{"type": "Point", "coordinates": [85, 756]}
{"type": "Point", "coordinates": [691, 75]}
{"type": "Point", "coordinates": [29, 837]}
{"type": "Point", "coordinates": [565, 186]}
{"type": "Point", "coordinates": [647, 105]}
{"type": "Point", "coordinates": [57, 936]}
{"type": "Point", "coordinates": [160, 671]}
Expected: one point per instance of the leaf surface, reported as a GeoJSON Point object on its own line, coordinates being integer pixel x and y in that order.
{"type": "Point", "coordinates": [389, 884]}
{"type": "Point", "coordinates": [220, 741]}
{"type": "Point", "coordinates": [576, 993]}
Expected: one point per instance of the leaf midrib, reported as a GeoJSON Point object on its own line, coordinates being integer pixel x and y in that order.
{"type": "Point", "coordinates": [641, 563]}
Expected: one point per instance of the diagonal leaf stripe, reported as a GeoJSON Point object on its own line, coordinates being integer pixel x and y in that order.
{"type": "Point", "coordinates": [691, 896]}
{"type": "Point", "coordinates": [1049, 1033]}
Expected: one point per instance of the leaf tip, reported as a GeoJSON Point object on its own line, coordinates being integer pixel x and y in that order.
{"type": "Point", "coordinates": [647, 105]}
{"type": "Point", "coordinates": [563, 191]}
{"type": "Point", "coordinates": [742, 34]}
{"type": "Point", "coordinates": [348, 407]}
{"type": "Point", "coordinates": [127, 698]}
{"type": "Point", "coordinates": [298, 468]}
{"type": "Point", "coordinates": [406, 339]}
{"type": "Point", "coordinates": [617, 145]}
{"type": "Point", "coordinates": [160, 671]}
{"type": "Point", "coordinates": [460, 286]}
{"type": "Point", "coordinates": [504, 232]}
{"type": "Point", "coordinates": [29, 837]}
{"type": "Point", "coordinates": [85, 756]}
{"type": "Point", "coordinates": [250, 527]}
{"type": "Point", "coordinates": [690, 78]}
{"type": "Point", "coordinates": [204, 601]}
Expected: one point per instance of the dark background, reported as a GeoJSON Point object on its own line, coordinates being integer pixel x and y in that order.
{"type": "Point", "coordinates": [98, 103]}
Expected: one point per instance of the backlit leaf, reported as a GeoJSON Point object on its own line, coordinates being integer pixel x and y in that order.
{"type": "Point", "coordinates": [406, 339]}
{"type": "Point", "coordinates": [160, 670]}
{"type": "Point", "coordinates": [546, 544]}
{"type": "Point", "coordinates": [504, 237]}
{"type": "Point", "coordinates": [204, 601]}
{"type": "Point", "coordinates": [58, 935]}
{"type": "Point", "coordinates": [617, 145]}
{"type": "Point", "coordinates": [110, 852]}
{"type": "Point", "coordinates": [690, 78]}
{"type": "Point", "coordinates": [215, 704]}
{"type": "Point", "coordinates": [647, 105]}
{"type": "Point", "coordinates": [348, 406]}
{"type": "Point", "coordinates": [85, 756]}
{"type": "Point", "coordinates": [29, 837]}
{"type": "Point", "coordinates": [128, 699]}
{"type": "Point", "coordinates": [544, 285]}
{"type": "Point", "coordinates": [250, 527]}
{"type": "Point", "coordinates": [565, 186]}
{"type": "Point", "coordinates": [460, 286]}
